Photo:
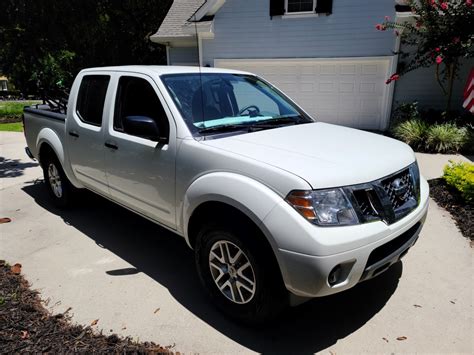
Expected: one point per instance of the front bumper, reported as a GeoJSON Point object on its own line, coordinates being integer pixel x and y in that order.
{"type": "Point", "coordinates": [308, 254]}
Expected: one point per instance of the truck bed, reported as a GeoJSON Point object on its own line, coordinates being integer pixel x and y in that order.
{"type": "Point", "coordinates": [41, 117]}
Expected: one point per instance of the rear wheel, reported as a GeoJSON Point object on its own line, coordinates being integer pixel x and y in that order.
{"type": "Point", "coordinates": [239, 274]}
{"type": "Point", "coordinates": [59, 187]}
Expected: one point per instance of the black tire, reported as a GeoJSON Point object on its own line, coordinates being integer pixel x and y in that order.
{"type": "Point", "coordinates": [270, 297]}
{"type": "Point", "coordinates": [58, 185]}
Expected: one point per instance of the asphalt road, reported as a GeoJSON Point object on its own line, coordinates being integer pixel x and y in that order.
{"type": "Point", "coordinates": [139, 280]}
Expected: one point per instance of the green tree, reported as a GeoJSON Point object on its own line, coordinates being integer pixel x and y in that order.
{"type": "Point", "coordinates": [441, 35]}
{"type": "Point", "coordinates": [44, 43]}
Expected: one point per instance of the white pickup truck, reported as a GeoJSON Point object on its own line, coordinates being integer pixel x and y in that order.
{"type": "Point", "coordinates": [278, 207]}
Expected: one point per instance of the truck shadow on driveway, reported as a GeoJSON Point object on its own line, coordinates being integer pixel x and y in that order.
{"type": "Point", "coordinates": [166, 258]}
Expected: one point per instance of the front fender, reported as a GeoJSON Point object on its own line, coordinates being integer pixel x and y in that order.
{"type": "Point", "coordinates": [249, 196]}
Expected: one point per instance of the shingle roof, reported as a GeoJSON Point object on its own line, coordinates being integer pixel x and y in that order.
{"type": "Point", "coordinates": [177, 17]}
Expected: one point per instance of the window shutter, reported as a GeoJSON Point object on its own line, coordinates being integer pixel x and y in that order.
{"type": "Point", "coordinates": [277, 7]}
{"type": "Point", "coordinates": [324, 7]}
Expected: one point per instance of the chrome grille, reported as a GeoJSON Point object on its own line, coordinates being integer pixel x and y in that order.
{"type": "Point", "coordinates": [399, 188]}
{"type": "Point", "coordinates": [365, 200]}
{"type": "Point", "coordinates": [388, 199]}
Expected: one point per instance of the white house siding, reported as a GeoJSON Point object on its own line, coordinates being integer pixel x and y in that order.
{"type": "Point", "coordinates": [243, 29]}
{"type": "Point", "coordinates": [183, 56]}
{"type": "Point", "coordinates": [421, 85]}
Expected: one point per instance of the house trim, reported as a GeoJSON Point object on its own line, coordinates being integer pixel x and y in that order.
{"type": "Point", "coordinates": [209, 8]}
{"type": "Point", "coordinates": [293, 15]}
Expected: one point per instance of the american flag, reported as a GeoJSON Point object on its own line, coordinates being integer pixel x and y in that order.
{"type": "Point", "coordinates": [469, 93]}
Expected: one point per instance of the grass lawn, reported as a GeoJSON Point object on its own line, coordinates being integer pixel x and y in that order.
{"type": "Point", "coordinates": [11, 127]}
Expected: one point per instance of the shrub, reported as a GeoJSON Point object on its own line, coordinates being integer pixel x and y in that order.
{"type": "Point", "coordinates": [446, 138]}
{"type": "Point", "coordinates": [461, 176]}
{"type": "Point", "coordinates": [412, 132]}
{"type": "Point", "coordinates": [435, 138]}
{"type": "Point", "coordinates": [405, 112]}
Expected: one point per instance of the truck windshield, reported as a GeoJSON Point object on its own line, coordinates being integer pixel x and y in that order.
{"type": "Point", "coordinates": [214, 102]}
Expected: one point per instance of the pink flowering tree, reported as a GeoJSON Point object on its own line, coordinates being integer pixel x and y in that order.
{"type": "Point", "coordinates": [441, 34]}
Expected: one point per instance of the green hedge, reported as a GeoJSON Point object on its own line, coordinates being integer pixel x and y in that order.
{"type": "Point", "coordinates": [11, 111]}
{"type": "Point", "coordinates": [461, 176]}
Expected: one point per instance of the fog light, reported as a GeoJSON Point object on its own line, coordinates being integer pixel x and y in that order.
{"type": "Point", "coordinates": [335, 275]}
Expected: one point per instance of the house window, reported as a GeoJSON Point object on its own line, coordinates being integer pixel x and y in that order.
{"type": "Point", "coordinates": [3, 85]}
{"type": "Point", "coordinates": [299, 6]}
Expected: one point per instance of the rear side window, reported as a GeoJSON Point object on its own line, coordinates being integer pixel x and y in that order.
{"type": "Point", "coordinates": [136, 97]}
{"type": "Point", "coordinates": [91, 98]}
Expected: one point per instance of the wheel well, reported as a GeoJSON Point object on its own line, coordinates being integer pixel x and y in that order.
{"type": "Point", "coordinates": [44, 151]}
{"type": "Point", "coordinates": [212, 211]}
{"type": "Point", "coordinates": [222, 212]}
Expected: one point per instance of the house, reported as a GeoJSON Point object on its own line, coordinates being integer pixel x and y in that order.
{"type": "Point", "coordinates": [3, 83]}
{"type": "Point", "coordinates": [325, 54]}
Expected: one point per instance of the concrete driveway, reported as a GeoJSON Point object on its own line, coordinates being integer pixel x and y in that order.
{"type": "Point", "coordinates": [139, 280]}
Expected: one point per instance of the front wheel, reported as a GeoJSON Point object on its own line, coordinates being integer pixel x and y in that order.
{"type": "Point", "coordinates": [240, 276]}
{"type": "Point", "coordinates": [58, 185]}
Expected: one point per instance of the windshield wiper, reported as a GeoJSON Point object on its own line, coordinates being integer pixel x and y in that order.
{"type": "Point", "coordinates": [274, 122]}
{"type": "Point", "coordinates": [282, 120]}
{"type": "Point", "coordinates": [278, 122]}
{"type": "Point", "coordinates": [223, 128]}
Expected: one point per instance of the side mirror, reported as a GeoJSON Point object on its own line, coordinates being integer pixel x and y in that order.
{"type": "Point", "coordinates": [142, 126]}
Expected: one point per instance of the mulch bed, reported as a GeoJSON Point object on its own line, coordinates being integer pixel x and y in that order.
{"type": "Point", "coordinates": [451, 200]}
{"type": "Point", "coordinates": [27, 326]}
{"type": "Point", "coordinates": [10, 119]}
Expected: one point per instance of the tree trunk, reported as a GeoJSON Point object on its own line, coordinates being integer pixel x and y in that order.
{"type": "Point", "coordinates": [452, 74]}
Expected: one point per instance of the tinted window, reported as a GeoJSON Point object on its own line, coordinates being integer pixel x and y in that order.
{"type": "Point", "coordinates": [219, 99]}
{"type": "Point", "coordinates": [136, 97]}
{"type": "Point", "coordinates": [91, 98]}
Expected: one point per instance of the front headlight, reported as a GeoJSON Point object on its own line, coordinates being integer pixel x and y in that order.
{"type": "Point", "coordinates": [329, 207]}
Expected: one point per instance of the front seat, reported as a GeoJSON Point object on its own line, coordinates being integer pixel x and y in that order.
{"type": "Point", "coordinates": [205, 113]}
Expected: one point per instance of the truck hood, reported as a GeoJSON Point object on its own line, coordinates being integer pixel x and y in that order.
{"type": "Point", "coordinates": [324, 155]}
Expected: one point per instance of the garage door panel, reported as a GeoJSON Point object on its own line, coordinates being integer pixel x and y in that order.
{"type": "Point", "coordinates": [348, 69]}
{"type": "Point", "coordinates": [346, 87]}
{"type": "Point", "coordinates": [349, 92]}
{"type": "Point", "coordinates": [367, 88]}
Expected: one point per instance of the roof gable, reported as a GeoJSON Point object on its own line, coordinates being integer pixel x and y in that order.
{"type": "Point", "coordinates": [182, 14]}
{"type": "Point", "coordinates": [178, 15]}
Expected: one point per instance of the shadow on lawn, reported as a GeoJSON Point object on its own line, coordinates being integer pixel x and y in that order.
{"type": "Point", "coordinates": [167, 259]}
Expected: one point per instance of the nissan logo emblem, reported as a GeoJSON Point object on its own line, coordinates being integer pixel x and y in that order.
{"type": "Point", "coordinates": [399, 187]}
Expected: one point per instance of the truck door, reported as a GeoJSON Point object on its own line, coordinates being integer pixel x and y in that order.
{"type": "Point", "coordinates": [140, 168]}
{"type": "Point", "coordinates": [85, 132]}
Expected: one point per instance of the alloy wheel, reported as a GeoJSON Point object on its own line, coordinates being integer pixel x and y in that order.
{"type": "Point", "coordinates": [55, 180]}
{"type": "Point", "coordinates": [232, 272]}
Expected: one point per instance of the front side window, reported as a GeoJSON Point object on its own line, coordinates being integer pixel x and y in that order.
{"type": "Point", "coordinates": [91, 98]}
{"type": "Point", "coordinates": [209, 101]}
{"type": "Point", "coordinates": [295, 6]}
{"type": "Point", "coordinates": [137, 98]}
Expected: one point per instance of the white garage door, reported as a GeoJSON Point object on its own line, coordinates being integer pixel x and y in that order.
{"type": "Point", "coordinates": [347, 91]}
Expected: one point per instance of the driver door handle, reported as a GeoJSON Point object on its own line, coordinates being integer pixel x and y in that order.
{"type": "Point", "coordinates": [111, 145]}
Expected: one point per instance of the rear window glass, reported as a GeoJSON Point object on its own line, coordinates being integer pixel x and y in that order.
{"type": "Point", "coordinates": [91, 98]}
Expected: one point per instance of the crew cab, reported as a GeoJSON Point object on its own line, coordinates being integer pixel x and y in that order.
{"type": "Point", "coordinates": [278, 207]}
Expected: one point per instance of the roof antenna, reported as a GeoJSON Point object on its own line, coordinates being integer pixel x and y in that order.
{"type": "Point", "coordinates": [200, 73]}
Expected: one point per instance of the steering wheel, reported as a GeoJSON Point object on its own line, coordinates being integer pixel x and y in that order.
{"type": "Point", "coordinates": [255, 110]}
